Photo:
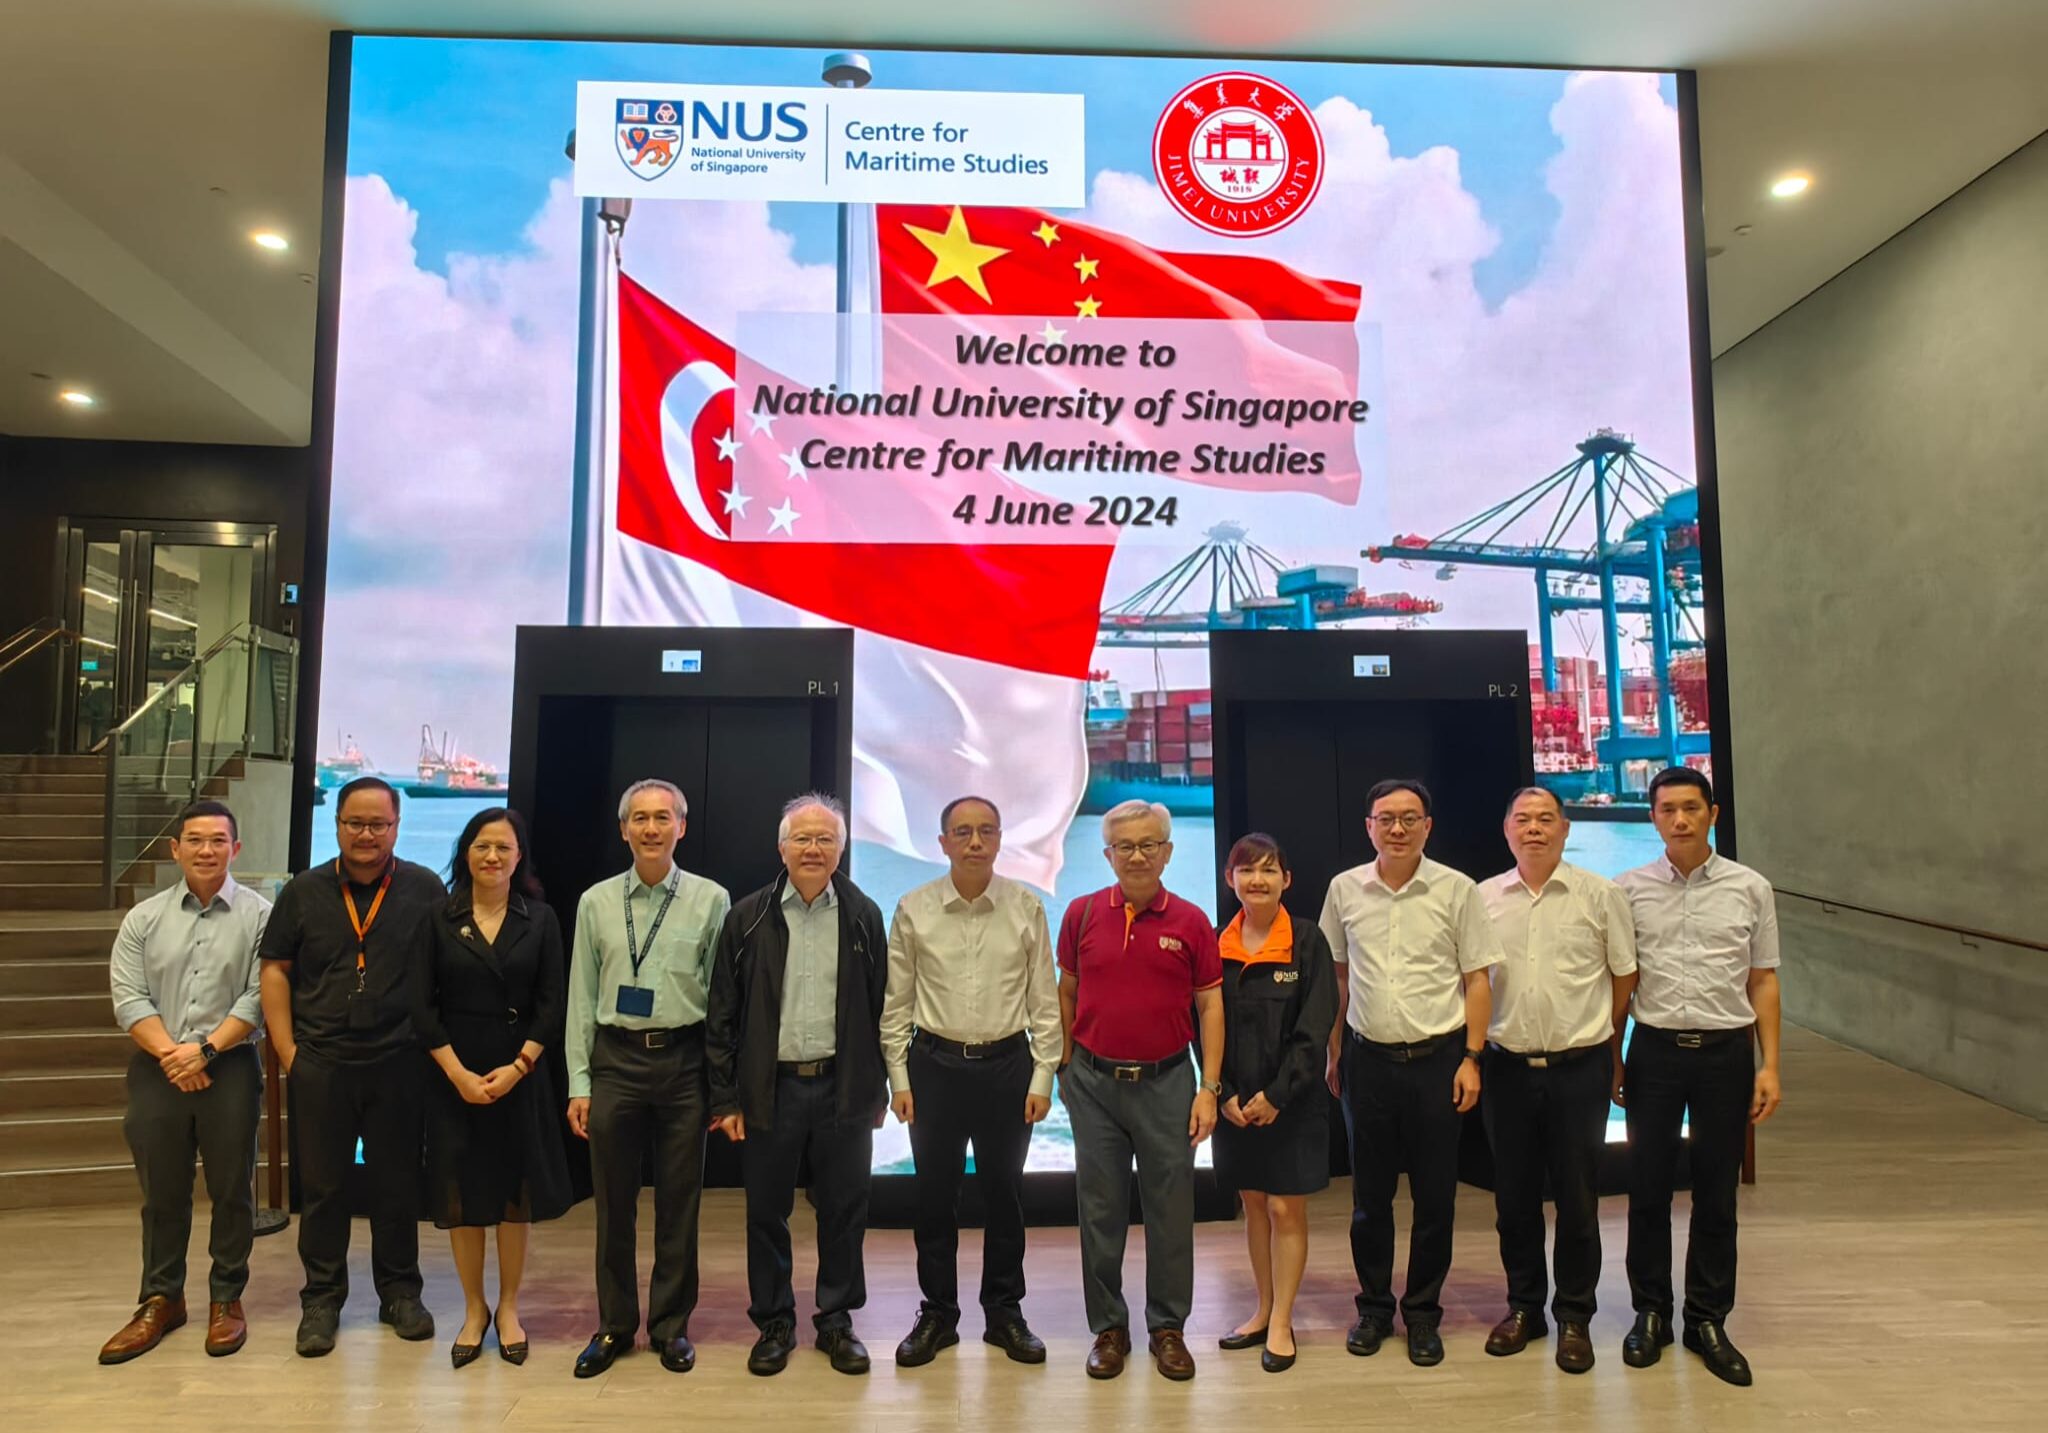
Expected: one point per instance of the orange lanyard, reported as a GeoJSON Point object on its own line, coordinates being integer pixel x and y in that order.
{"type": "Point", "coordinates": [362, 926]}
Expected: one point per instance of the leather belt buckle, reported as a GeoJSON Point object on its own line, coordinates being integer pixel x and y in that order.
{"type": "Point", "coordinates": [1539, 1062]}
{"type": "Point", "coordinates": [1688, 1039]}
{"type": "Point", "coordinates": [973, 1052]}
{"type": "Point", "coordinates": [654, 1039]}
{"type": "Point", "coordinates": [1131, 1074]}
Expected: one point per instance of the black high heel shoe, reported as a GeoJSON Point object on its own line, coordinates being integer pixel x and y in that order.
{"type": "Point", "coordinates": [514, 1353]}
{"type": "Point", "coordinates": [462, 1355]}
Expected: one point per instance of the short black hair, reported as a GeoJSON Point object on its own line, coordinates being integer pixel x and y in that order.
{"type": "Point", "coordinates": [1520, 792]}
{"type": "Point", "coordinates": [365, 783]}
{"type": "Point", "coordinates": [1252, 848]}
{"type": "Point", "coordinates": [524, 879]}
{"type": "Point", "coordinates": [205, 808]}
{"type": "Point", "coordinates": [1398, 783]}
{"type": "Point", "coordinates": [1681, 776]}
{"type": "Point", "coordinates": [946, 815]}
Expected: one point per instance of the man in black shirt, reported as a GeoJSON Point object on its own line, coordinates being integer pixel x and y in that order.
{"type": "Point", "coordinates": [339, 959]}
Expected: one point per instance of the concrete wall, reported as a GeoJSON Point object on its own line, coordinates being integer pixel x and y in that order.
{"type": "Point", "coordinates": [1884, 504]}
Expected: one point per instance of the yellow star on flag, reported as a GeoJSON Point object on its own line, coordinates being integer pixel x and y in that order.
{"type": "Point", "coordinates": [955, 255]}
{"type": "Point", "coordinates": [1087, 308]}
{"type": "Point", "coordinates": [1086, 267]}
{"type": "Point", "coordinates": [1046, 233]}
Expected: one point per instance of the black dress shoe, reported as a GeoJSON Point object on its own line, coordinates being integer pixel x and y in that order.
{"type": "Point", "coordinates": [598, 1354]}
{"type": "Point", "coordinates": [1365, 1337]}
{"type": "Point", "coordinates": [1574, 1347]}
{"type": "Point", "coordinates": [1232, 1342]}
{"type": "Point", "coordinates": [408, 1318]}
{"type": "Point", "coordinates": [1425, 1346]}
{"type": "Point", "coordinates": [1015, 1338]}
{"type": "Point", "coordinates": [1512, 1334]}
{"type": "Point", "coordinates": [678, 1354]}
{"type": "Point", "coordinates": [1645, 1343]}
{"type": "Point", "coordinates": [1275, 1362]}
{"type": "Point", "coordinates": [1723, 1359]}
{"type": "Point", "coordinates": [316, 1331]}
{"type": "Point", "coordinates": [848, 1354]}
{"type": "Point", "coordinates": [771, 1351]}
{"type": "Point", "coordinates": [922, 1344]}
{"type": "Point", "coordinates": [462, 1355]}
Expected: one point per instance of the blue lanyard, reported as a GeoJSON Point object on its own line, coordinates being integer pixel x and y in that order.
{"type": "Point", "coordinates": [633, 951]}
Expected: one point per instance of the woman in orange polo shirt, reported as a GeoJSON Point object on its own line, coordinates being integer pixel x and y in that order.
{"type": "Point", "coordinates": [1273, 1142]}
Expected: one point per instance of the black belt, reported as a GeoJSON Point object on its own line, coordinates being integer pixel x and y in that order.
{"type": "Point", "coordinates": [1417, 1050]}
{"type": "Point", "coordinates": [652, 1039]}
{"type": "Point", "coordinates": [1544, 1059]}
{"type": "Point", "coordinates": [988, 1050]}
{"type": "Point", "coordinates": [1694, 1039]}
{"type": "Point", "coordinates": [1131, 1071]}
{"type": "Point", "coordinates": [806, 1069]}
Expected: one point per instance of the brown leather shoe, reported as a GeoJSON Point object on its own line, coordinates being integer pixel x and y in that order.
{"type": "Point", "coordinates": [1170, 1353]}
{"type": "Point", "coordinates": [1574, 1347]}
{"type": "Point", "coordinates": [1512, 1334]}
{"type": "Point", "coordinates": [225, 1331]}
{"type": "Point", "coordinates": [1112, 1347]}
{"type": "Point", "coordinates": [158, 1315]}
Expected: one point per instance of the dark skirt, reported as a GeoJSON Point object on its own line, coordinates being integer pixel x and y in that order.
{"type": "Point", "coordinates": [1289, 1156]}
{"type": "Point", "coordinates": [495, 1163]}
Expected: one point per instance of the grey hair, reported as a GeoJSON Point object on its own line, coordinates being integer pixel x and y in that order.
{"type": "Point", "coordinates": [675, 797]}
{"type": "Point", "coordinates": [1130, 811]}
{"type": "Point", "coordinates": [830, 805]}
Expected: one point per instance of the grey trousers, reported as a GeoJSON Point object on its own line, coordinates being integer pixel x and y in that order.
{"type": "Point", "coordinates": [165, 1129]}
{"type": "Point", "coordinates": [1115, 1120]}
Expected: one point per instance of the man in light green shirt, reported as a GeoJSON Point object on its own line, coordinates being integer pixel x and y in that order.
{"type": "Point", "coordinates": [638, 977]}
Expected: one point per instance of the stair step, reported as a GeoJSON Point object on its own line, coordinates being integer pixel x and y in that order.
{"type": "Point", "coordinates": [12, 764]}
{"type": "Point", "coordinates": [78, 975]}
{"type": "Point", "coordinates": [86, 783]}
{"type": "Point", "coordinates": [57, 935]}
{"type": "Point", "coordinates": [95, 1051]}
{"type": "Point", "coordinates": [70, 897]}
{"type": "Point", "coordinates": [48, 871]}
{"type": "Point", "coordinates": [65, 1141]}
{"type": "Point", "coordinates": [76, 846]}
{"type": "Point", "coordinates": [93, 1093]}
{"type": "Point", "coordinates": [69, 1188]}
{"type": "Point", "coordinates": [32, 1014]}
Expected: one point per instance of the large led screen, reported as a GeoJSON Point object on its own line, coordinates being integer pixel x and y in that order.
{"type": "Point", "coordinates": [1035, 370]}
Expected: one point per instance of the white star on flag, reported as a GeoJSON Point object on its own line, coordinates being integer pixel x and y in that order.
{"type": "Point", "coordinates": [1051, 334]}
{"type": "Point", "coordinates": [763, 423]}
{"type": "Point", "coordinates": [783, 519]}
{"type": "Point", "coordinates": [796, 468]}
{"type": "Point", "coordinates": [735, 500]}
{"type": "Point", "coordinates": [727, 447]}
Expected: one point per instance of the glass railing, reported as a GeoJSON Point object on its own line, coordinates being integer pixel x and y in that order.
{"type": "Point", "coordinates": [234, 702]}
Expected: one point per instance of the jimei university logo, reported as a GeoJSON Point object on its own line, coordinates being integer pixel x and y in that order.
{"type": "Point", "coordinates": [1238, 154]}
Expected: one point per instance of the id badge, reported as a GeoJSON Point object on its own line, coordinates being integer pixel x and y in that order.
{"type": "Point", "coordinates": [362, 1010]}
{"type": "Point", "coordinates": [636, 1000]}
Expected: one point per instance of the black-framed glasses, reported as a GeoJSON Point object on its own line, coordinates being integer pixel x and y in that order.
{"type": "Point", "coordinates": [355, 827]}
{"type": "Point", "coordinates": [1124, 850]}
{"type": "Point", "coordinates": [1405, 820]}
{"type": "Point", "coordinates": [968, 833]}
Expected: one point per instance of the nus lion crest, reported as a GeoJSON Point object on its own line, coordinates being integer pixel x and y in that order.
{"type": "Point", "coordinates": [649, 134]}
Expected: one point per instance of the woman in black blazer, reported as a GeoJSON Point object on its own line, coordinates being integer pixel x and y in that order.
{"type": "Point", "coordinates": [1273, 1141]}
{"type": "Point", "coordinates": [491, 1005]}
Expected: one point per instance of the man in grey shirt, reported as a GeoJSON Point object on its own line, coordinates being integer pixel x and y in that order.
{"type": "Point", "coordinates": [184, 975]}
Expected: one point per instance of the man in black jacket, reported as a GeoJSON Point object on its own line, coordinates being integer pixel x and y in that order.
{"type": "Point", "coordinates": [793, 1047]}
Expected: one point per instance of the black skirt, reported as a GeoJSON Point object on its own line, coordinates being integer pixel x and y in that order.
{"type": "Point", "coordinates": [495, 1163]}
{"type": "Point", "coordinates": [1289, 1156]}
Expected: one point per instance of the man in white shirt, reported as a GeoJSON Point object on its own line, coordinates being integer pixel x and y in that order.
{"type": "Point", "coordinates": [1707, 952]}
{"type": "Point", "coordinates": [1412, 1011]}
{"type": "Point", "coordinates": [1553, 1056]}
{"type": "Point", "coordinates": [971, 1038]}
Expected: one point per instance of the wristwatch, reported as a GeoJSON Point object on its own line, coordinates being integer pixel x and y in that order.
{"type": "Point", "coordinates": [207, 1052]}
{"type": "Point", "coordinates": [1474, 1055]}
{"type": "Point", "coordinates": [1214, 1087]}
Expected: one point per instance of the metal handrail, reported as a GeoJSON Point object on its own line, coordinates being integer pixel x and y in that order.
{"type": "Point", "coordinates": [1962, 932]}
{"type": "Point", "coordinates": [47, 635]}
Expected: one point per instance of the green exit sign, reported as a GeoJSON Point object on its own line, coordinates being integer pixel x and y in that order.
{"type": "Point", "coordinates": [90, 664]}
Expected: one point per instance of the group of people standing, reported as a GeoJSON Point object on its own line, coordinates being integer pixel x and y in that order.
{"type": "Point", "coordinates": [795, 1019]}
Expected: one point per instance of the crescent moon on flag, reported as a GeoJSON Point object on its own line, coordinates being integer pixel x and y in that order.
{"type": "Point", "coordinates": [684, 401]}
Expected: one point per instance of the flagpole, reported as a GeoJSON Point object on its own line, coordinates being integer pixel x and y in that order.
{"type": "Point", "coordinates": [604, 224]}
{"type": "Point", "coordinates": [846, 70]}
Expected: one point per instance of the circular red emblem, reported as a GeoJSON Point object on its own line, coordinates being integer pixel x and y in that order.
{"type": "Point", "coordinates": [1238, 154]}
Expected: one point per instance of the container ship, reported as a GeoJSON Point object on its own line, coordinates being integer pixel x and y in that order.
{"type": "Point", "coordinates": [444, 771]}
{"type": "Point", "coordinates": [1158, 747]}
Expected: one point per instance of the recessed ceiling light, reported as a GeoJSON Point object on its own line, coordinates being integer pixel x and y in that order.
{"type": "Point", "coordinates": [77, 397]}
{"type": "Point", "coordinates": [1790, 186]}
{"type": "Point", "coordinates": [265, 239]}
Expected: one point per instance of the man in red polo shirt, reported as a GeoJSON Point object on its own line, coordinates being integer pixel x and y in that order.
{"type": "Point", "coordinates": [1133, 961]}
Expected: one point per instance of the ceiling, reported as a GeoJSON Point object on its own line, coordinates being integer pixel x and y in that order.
{"type": "Point", "coordinates": [141, 141]}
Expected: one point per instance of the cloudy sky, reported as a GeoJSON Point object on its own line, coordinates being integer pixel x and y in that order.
{"type": "Point", "coordinates": [1518, 235]}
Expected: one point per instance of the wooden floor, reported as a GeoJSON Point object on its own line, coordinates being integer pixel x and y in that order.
{"type": "Point", "coordinates": [1892, 1273]}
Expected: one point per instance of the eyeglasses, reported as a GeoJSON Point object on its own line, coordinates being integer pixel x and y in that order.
{"type": "Point", "coordinates": [813, 843]}
{"type": "Point", "coordinates": [195, 841]}
{"type": "Point", "coordinates": [1405, 820]}
{"type": "Point", "coordinates": [366, 828]}
{"type": "Point", "coordinates": [968, 833]}
{"type": "Point", "coordinates": [1124, 850]}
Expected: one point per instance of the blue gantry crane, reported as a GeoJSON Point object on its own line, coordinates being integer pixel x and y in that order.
{"type": "Point", "coordinates": [1639, 558]}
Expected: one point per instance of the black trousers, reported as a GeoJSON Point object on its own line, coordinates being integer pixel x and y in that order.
{"type": "Point", "coordinates": [334, 1104]}
{"type": "Point", "coordinates": [1548, 1124]}
{"type": "Point", "coordinates": [1667, 1086]}
{"type": "Point", "coordinates": [840, 1154]}
{"type": "Point", "coordinates": [958, 1102]}
{"type": "Point", "coordinates": [1401, 1117]}
{"type": "Point", "coordinates": [165, 1129]}
{"type": "Point", "coordinates": [646, 1102]}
